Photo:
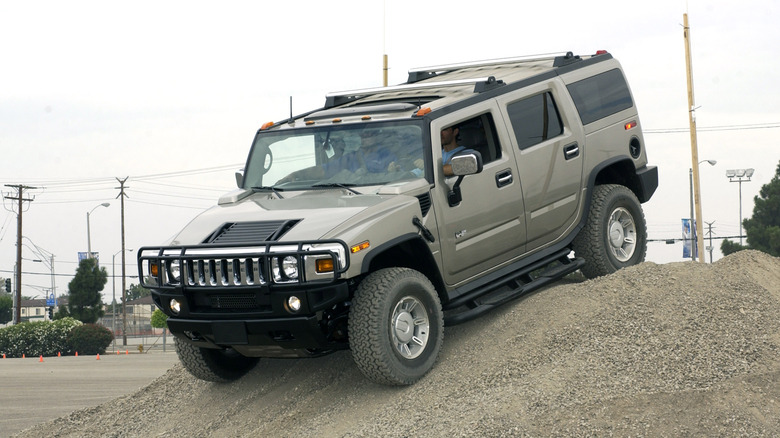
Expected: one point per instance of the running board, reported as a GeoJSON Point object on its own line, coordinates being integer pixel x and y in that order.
{"type": "Point", "coordinates": [526, 280]}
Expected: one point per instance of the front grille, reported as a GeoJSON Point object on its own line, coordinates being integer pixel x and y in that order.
{"type": "Point", "coordinates": [247, 271]}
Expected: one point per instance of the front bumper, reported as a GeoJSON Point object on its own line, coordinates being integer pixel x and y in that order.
{"type": "Point", "coordinates": [237, 296]}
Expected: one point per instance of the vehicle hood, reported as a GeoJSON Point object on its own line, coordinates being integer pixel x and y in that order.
{"type": "Point", "coordinates": [313, 214]}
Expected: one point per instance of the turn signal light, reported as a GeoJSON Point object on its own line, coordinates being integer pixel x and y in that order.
{"type": "Point", "coordinates": [323, 265]}
{"type": "Point", "coordinates": [631, 125]}
{"type": "Point", "coordinates": [359, 247]}
{"type": "Point", "coordinates": [154, 269]}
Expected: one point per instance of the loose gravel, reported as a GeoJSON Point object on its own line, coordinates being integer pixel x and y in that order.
{"type": "Point", "coordinates": [680, 349]}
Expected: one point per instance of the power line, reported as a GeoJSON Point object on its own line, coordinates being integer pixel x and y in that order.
{"type": "Point", "coordinates": [714, 128]}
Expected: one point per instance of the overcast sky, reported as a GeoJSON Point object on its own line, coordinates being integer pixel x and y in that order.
{"type": "Point", "coordinates": [170, 94]}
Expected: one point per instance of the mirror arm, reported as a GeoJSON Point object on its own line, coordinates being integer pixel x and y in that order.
{"type": "Point", "coordinates": [454, 196]}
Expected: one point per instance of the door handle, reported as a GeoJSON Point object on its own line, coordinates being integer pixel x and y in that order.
{"type": "Point", "coordinates": [571, 151]}
{"type": "Point", "coordinates": [504, 178]}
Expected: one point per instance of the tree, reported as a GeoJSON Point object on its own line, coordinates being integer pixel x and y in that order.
{"type": "Point", "coordinates": [84, 301]}
{"type": "Point", "coordinates": [136, 291]}
{"type": "Point", "coordinates": [6, 307]}
{"type": "Point", "coordinates": [159, 319]}
{"type": "Point", "coordinates": [763, 228]}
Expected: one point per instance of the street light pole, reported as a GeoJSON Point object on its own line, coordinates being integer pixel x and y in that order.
{"type": "Point", "coordinates": [89, 241]}
{"type": "Point", "coordinates": [739, 174]}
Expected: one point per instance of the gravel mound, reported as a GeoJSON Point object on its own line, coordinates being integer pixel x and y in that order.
{"type": "Point", "coordinates": [679, 349]}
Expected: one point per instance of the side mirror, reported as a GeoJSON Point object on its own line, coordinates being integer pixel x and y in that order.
{"type": "Point", "coordinates": [467, 163]}
{"type": "Point", "coordinates": [239, 178]}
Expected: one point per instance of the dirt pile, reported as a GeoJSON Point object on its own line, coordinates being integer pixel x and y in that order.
{"type": "Point", "coordinates": [658, 350]}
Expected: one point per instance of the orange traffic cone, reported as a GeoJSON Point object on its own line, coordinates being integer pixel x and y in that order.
{"type": "Point", "coordinates": [98, 356]}
{"type": "Point", "coordinates": [77, 354]}
{"type": "Point", "coordinates": [59, 354]}
{"type": "Point", "coordinates": [41, 359]}
{"type": "Point", "coordinates": [126, 353]}
{"type": "Point", "coordinates": [23, 356]}
{"type": "Point", "coordinates": [3, 355]}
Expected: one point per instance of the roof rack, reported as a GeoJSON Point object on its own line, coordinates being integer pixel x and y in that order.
{"type": "Point", "coordinates": [342, 97]}
{"type": "Point", "coordinates": [420, 73]}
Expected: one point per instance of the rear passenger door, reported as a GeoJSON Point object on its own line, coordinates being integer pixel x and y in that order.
{"type": "Point", "coordinates": [550, 154]}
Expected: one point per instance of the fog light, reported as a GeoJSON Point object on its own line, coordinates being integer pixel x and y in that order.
{"type": "Point", "coordinates": [175, 306]}
{"type": "Point", "coordinates": [294, 303]}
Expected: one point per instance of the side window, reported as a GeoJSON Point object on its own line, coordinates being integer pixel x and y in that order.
{"type": "Point", "coordinates": [479, 134]}
{"type": "Point", "coordinates": [535, 119]}
{"type": "Point", "coordinates": [600, 96]}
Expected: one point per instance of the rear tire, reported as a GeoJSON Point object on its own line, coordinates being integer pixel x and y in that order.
{"type": "Point", "coordinates": [213, 365]}
{"type": "Point", "coordinates": [396, 326]}
{"type": "Point", "coordinates": [615, 234]}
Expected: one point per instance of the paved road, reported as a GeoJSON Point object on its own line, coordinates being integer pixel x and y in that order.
{"type": "Point", "coordinates": [32, 392]}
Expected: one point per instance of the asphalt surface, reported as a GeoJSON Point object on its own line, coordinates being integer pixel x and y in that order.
{"type": "Point", "coordinates": [33, 392]}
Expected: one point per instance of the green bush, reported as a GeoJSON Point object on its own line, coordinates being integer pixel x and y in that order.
{"type": "Point", "coordinates": [39, 338]}
{"type": "Point", "coordinates": [90, 339]}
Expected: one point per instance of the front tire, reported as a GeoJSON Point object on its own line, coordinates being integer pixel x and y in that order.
{"type": "Point", "coordinates": [213, 365]}
{"type": "Point", "coordinates": [615, 234]}
{"type": "Point", "coordinates": [396, 326]}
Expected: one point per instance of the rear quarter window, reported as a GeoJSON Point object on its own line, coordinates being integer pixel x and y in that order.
{"type": "Point", "coordinates": [600, 96]}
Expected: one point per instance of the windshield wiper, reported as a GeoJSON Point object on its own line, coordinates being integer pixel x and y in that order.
{"type": "Point", "coordinates": [271, 188]}
{"type": "Point", "coordinates": [340, 186]}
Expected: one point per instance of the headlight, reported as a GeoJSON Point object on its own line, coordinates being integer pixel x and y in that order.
{"type": "Point", "coordinates": [285, 269]}
{"type": "Point", "coordinates": [174, 271]}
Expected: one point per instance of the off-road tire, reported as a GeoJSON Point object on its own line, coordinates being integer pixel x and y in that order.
{"type": "Point", "coordinates": [385, 347]}
{"type": "Point", "coordinates": [615, 234]}
{"type": "Point", "coordinates": [213, 365]}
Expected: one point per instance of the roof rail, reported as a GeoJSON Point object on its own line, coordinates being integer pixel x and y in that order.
{"type": "Point", "coordinates": [420, 73]}
{"type": "Point", "coordinates": [342, 97]}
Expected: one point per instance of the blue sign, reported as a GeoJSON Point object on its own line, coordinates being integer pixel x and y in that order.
{"type": "Point", "coordinates": [51, 301]}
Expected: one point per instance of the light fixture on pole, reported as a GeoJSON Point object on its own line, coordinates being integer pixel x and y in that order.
{"type": "Point", "coordinates": [89, 241]}
{"type": "Point", "coordinates": [737, 175]}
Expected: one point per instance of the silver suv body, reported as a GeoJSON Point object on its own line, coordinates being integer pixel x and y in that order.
{"type": "Point", "coordinates": [346, 233]}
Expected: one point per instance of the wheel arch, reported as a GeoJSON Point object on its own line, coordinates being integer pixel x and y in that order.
{"type": "Point", "coordinates": [407, 251]}
{"type": "Point", "coordinates": [618, 170]}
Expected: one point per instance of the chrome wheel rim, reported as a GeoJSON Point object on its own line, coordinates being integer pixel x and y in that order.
{"type": "Point", "coordinates": [621, 231]}
{"type": "Point", "coordinates": [410, 327]}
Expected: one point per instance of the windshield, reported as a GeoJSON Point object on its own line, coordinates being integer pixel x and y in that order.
{"type": "Point", "coordinates": [346, 155]}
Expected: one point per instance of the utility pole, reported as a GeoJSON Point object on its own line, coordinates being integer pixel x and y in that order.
{"type": "Point", "coordinates": [710, 233]}
{"type": "Point", "coordinates": [694, 147]}
{"type": "Point", "coordinates": [121, 197]}
{"type": "Point", "coordinates": [20, 198]}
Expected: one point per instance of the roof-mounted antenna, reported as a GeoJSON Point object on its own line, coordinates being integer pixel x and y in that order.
{"type": "Point", "coordinates": [291, 120]}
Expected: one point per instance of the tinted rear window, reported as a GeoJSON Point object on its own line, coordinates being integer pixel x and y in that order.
{"type": "Point", "coordinates": [600, 96]}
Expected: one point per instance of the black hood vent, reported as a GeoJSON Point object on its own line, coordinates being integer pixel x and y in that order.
{"type": "Point", "coordinates": [250, 232]}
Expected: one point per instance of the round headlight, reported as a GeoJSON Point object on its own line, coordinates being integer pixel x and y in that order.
{"type": "Point", "coordinates": [175, 306]}
{"type": "Point", "coordinates": [174, 271]}
{"type": "Point", "coordinates": [290, 267]}
{"type": "Point", "coordinates": [294, 303]}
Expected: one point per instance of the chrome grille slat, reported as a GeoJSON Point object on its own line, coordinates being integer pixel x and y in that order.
{"type": "Point", "coordinates": [223, 272]}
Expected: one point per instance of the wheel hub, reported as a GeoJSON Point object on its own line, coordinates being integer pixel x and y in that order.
{"type": "Point", "coordinates": [622, 234]}
{"type": "Point", "coordinates": [404, 323]}
{"type": "Point", "coordinates": [409, 327]}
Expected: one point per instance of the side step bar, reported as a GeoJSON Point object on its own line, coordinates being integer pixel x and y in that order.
{"type": "Point", "coordinates": [526, 280]}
